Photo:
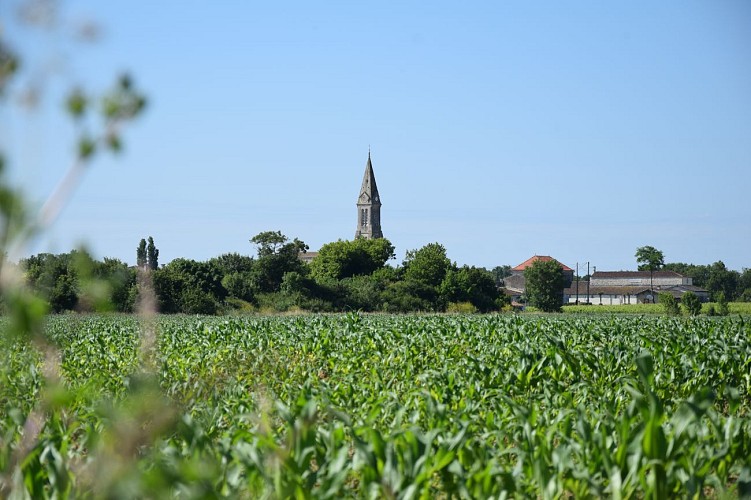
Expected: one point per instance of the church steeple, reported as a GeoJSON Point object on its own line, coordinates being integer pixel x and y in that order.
{"type": "Point", "coordinates": [369, 206]}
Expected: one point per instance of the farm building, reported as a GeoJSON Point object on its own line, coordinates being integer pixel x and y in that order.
{"type": "Point", "coordinates": [630, 287]}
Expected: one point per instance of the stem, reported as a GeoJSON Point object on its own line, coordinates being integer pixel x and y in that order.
{"type": "Point", "coordinates": [55, 203]}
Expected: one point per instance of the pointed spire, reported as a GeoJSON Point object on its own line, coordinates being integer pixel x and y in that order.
{"type": "Point", "coordinates": [369, 189]}
{"type": "Point", "coordinates": [369, 205]}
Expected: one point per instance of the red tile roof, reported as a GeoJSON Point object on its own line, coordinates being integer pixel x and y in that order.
{"type": "Point", "coordinates": [544, 258]}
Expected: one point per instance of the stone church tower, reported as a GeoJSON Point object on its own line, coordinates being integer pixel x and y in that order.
{"type": "Point", "coordinates": [369, 206]}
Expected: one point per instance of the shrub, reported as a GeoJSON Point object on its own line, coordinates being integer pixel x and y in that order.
{"type": "Point", "coordinates": [198, 302]}
{"type": "Point", "coordinates": [692, 303]}
{"type": "Point", "coordinates": [722, 304]}
{"type": "Point", "coordinates": [461, 307]}
{"type": "Point", "coordinates": [669, 303]}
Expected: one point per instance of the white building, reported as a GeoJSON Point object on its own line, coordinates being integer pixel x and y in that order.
{"type": "Point", "coordinates": [630, 287]}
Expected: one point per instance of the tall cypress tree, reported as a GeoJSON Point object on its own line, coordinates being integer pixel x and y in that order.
{"type": "Point", "coordinates": [152, 254]}
{"type": "Point", "coordinates": [141, 254]}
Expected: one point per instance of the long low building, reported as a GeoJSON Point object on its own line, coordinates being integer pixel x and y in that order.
{"type": "Point", "coordinates": [630, 287]}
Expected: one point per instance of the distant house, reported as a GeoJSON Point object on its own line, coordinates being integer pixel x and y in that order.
{"type": "Point", "coordinates": [630, 287]}
{"type": "Point", "coordinates": [515, 284]}
{"type": "Point", "coordinates": [519, 270]}
{"type": "Point", "coordinates": [307, 257]}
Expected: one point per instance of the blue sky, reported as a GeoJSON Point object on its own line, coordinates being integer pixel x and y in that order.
{"type": "Point", "coordinates": [580, 130]}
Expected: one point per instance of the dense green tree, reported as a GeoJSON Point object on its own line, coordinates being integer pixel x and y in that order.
{"type": "Point", "coordinates": [106, 285]}
{"type": "Point", "coordinates": [168, 287]}
{"type": "Point", "coordinates": [197, 301]}
{"type": "Point", "coordinates": [692, 303]}
{"type": "Point", "coordinates": [721, 280]}
{"type": "Point", "coordinates": [277, 255]}
{"type": "Point", "coordinates": [698, 273]}
{"type": "Point", "coordinates": [152, 255]}
{"type": "Point", "coordinates": [64, 294]}
{"type": "Point", "coordinates": [717, 278]}
{"type": "Point", "coordinates": [237, 277]}
{"type": "Point", "coordinates": [364, 293]}
{"type": "Point", "coordinates": [501, 272]}
{"type": "Point", "coordinates": [189, 286]}
{"type": "Point", "coordinates": [269, 242]}
{"type": "Point", "coordinates": [204, 276]}
{"type": "Point", "coordinates": [229, 263]}
{"type": "Point", "coordinates": [409, 296]}
{"type": "Point", "coordinates": [545, 281]}
{"type": "Point", "coordinates": [649, 259]}
{"type": "Point", "coordinates": [427, 265]}
{"type": "Point", "coordinates": [239, 285]}
{"type": "Point", "coordinates": [141, 255]}
{"type": "Point", "coordinates": [53, 277]}
{"type": "Point", "coordinates": [123, 282]}
{"type": "Point", "coordinates": [744, 286]}
{"type": "Point", "coordinates": [471, 284]}
{"type": "Point", "coordinates": [344, 259]}
{"type": "Point", "coordinates": [295, 284]}
{"type": "Point", "coordinates": [76, 280]}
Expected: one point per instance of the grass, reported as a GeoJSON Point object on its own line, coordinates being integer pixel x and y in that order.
{"type": "Point", "coordinates": [742, 308]}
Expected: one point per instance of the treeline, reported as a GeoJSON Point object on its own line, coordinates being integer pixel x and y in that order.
{"type": "Point", "coordinates": [345, 275]}
{"type": "Point", "coordinates": [717, 279]}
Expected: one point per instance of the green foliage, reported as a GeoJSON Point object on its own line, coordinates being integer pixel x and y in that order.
{"type": "Point", "coordinates": [345, 259]}
{"type": "Point", "coordinates": [709, 308]}
{"type": "Point", "coordinates": [619, 309]}
{"type": "Point", "coordinates": [381, 406]}
{"type": "Point", "coordinates": [152, 255]}
{"type": "Point", "coordinates": [427, 265]}
{"type": "Point", "coordinates": [269, 242]}
{"type": "Point", "coordinates": [239, 285]}
{"type": "Point", "coordinates": [196, 301]}
{"type": "Point", "coordinates": [698, 273]}
{"type": "Point", "coordinates": [722, 304]}
{"type": "Point", "coordinates": [121, 282]}
{"type": "Point", "coordinates": [277, 255]}
{"type": "Point", "coordinates": [141, 256]}
{"type": "Point", "coordinates": [545, 281]}
{"type": "Point", "coordinates": [115, 107]}
{"type": "Point", "coordinates": [471, 284]}
{"type": "Point", "coordinates": [461, 308]}
{"type": "Point", "coordinates": [364, 293]}
{"type": "Point", "coordinates": [721, 280]}
{"type": "Point", "coordinates": [649, 258]}
{"type": "Point", "coordinates": [9, 64]}
{"type": "Point", "coordinates": [189, 286]}
{"type": "Point", "coordinates": [669, 303]}
{"type": "Point", "coordinates": [237, 277]}
{"type": "Point", "coordinates": [692, 303]}
{"type": "Point", "coordinates": [744, 285]}
{"type": "Point", "coordinates": [717, 278]}
{"type": "Point", "coordinates": [411, 296]}
{"type": "Point", "coordinates": [229, 263]}
{"type": "Point", "coordinates": [501, 272]}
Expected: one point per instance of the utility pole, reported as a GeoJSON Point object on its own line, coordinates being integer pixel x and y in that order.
{"type": "Point", "coordinates": [588, 281]}
{"type": "Point", "coordinates": [577, 283]}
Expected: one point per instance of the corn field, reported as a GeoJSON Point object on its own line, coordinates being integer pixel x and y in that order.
{"type": "Point", "coordinates": [377, 407]}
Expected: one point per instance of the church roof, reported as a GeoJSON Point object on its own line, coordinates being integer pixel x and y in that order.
{"type": "Point", "coordinates": [369, 189]}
